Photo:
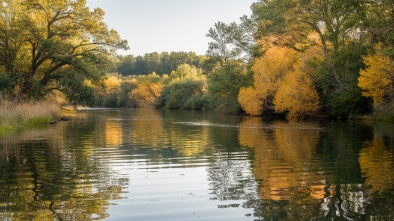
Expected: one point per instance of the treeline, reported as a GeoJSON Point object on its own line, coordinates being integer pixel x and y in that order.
{"type": "Point", "coordinates": [163, 63]}
{"type": "Point", "coordinates": [185, 88]}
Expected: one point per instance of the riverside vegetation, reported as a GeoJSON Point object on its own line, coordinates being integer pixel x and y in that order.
{"type": "Point", "coordinates": [292, 58]}
{"type": "Point", "coordinates": [15, 114]}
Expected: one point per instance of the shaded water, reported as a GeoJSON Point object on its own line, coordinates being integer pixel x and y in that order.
{"type": "Point", "coordinates": [141, 164]}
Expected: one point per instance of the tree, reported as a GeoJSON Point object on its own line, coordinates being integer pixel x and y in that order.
{"type": "Point", "coordinates": [178, 93]}
{"type": "Point", "coordinates": [379, 24]}
{"type": "Point", "coordinates": [126, 65]}
{"type": "Point", "coordinates": [186, 71]}
{"type": "Point", "coordinates": [335, 21]}
{"type": "Point", "coordinates": [231, 43]}
{"type": "Point", "coordinates": [185, 88]}
{"type": "Point", "coordinates": [148, 90]}
{"type": "Point", "coordinates": [269, 72]}
{"type": "Point", "coordinates": [284, 82]}
{"type": "Point", "coordinates": [297, 95]}
{"type": "Point", "coordinates": [224, 86]}
{"type": "Point", "coordinates": [250, 102]}
{"type": "Point", "coordinates": [42, 42]}
{"type": "Point", "coordinates": [377, 80]}
{"type": "Point", "coordinates": [152, 61]}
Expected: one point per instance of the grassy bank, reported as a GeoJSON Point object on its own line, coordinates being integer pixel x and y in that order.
{"type": "Point", "coordinates": [16, 114]}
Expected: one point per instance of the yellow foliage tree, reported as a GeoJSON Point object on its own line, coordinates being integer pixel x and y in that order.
{"type": "Point", "coordinates": [269, 72]}
{"type": "Point", "coordinates": [285, 79]}
{"type": "Point", "coordinates": [112, 83]}
{"type": "Point", "coordinates": [149, 88]}
{"type": "Point", "coordinates": [249, 101]}
{"type": "Point", "coordinates": [271, 68]}
{"type": "Point", "coordinates": [297, 95]}
{"type": "Point", "coordinates": [376, 80]}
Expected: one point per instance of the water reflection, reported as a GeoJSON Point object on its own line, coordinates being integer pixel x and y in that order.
{"type": "Point", "coordinates": [113, 133]}
{"type": "Point", "coordinates": [310, 170]}
{"type": "Point", "coordinates": [44, 177]}
{"type": "Point", "coordinates": [119, 164]}
{"type": "Point", "coordinates": [376, 159]}
{"type": "Point", "coordinates": [284, 160]}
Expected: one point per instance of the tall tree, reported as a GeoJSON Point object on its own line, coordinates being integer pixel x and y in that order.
{"type": "Point", "coordinates": [283, 81]}
{"type": "Point", "coordinates": [126, 65]}
{"type": "Point", "coordinates": [377, 80]}
{"type": "Point", "coordinates": [231, 43]}
{"type": "Point", "coordinates": [42, 42]}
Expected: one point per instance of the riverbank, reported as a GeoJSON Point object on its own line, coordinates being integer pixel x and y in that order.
{"type": "Point", "coordinates": [27, 114]}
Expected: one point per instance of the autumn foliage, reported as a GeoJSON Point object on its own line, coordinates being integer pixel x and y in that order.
{"type": "Point", "coordinates": [376, 80]}
{"type": "Point", "coordinates": [283, 81]}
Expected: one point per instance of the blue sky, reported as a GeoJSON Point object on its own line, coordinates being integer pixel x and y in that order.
{"type": "Point", "coordinates": [168, 25]}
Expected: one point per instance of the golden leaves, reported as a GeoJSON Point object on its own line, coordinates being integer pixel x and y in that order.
{"type": "Point", "coordinates": [283, 77]}
{"type": "Point", "coordinates": [249, 101]}
{"type": "Point", "coordinates": [376, 80]}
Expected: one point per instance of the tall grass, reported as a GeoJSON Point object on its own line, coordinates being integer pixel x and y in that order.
{"type": "Point", "coordinates": [384, 113]}
{"type": "Point", "coordinates": [17, 114]}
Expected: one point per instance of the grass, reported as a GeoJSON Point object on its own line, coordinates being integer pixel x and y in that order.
{"type": "Point", "coordinates": [17, 114]}
{"type": "Point", "coordinates": [383, 114]}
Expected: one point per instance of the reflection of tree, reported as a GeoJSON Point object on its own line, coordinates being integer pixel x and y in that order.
{"type": "Point", "coordinates": [376, 161]}
{"type": "Point", "coordinates": [284, 159]}
{"type": "Point", "coordinates": [148, 129]}
{"type": "Point", "coordinates": [43, 176]}
{"type": "Point", "coordinates": [230, 178]}
{"type": "Point", "coordinates": [294, 183]}
{"type": "Point", "coordinates": [113, 133]}
{"type": "Point", "coordinates": [377, 166]}
{"type": "Point", "coordinates": [183, 135]}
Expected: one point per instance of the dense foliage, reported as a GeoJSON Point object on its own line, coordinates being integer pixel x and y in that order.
{"type": "Point", "coordinates": [53, 45]}
{"type": "Point", "coordinates": [341, 72]}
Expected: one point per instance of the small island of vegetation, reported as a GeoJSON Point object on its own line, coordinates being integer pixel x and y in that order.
{"type": "Point", "coordinates": [289, 58]}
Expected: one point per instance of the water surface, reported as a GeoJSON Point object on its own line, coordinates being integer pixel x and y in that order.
{"type": "Point", "coordinates": [143, 164]}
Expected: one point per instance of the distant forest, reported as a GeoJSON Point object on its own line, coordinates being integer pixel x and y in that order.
{"type": "Point", "coordinates": [163, 63]}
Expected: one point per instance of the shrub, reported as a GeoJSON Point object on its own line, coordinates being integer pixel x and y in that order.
{"type": "Point", "coordinates": [177, 93]}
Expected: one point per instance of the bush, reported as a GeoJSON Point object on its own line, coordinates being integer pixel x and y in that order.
{"type": "Point", "coordinates": [111, 100]}
{"type": "Point", "coordinates": [177, 93]}
{"type": "Point", "coordinates": [384, 113]}
{"type": "Point", "coordinates": [197, 102]}
{"type": "Point", "coordinates": [224, 87]}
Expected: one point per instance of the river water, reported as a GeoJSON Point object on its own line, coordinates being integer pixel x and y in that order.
{"type": "Point", "coordinates": [145, 164]}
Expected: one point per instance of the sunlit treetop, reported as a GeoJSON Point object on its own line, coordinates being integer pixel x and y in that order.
{"type": "Point", "coordinates": [45, 41]}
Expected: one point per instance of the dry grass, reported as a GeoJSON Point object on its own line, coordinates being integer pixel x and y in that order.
{"type": "Point", "coordinates": [16, 114]}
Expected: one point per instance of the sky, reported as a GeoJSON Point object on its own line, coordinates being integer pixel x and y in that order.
{"type": "Point", "coordinates": [168, 25]}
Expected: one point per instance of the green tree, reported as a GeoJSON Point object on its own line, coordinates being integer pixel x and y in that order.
{"type": "Point", "coordinates": [185, 88]}
{"type": "Point", "coordinates": [126, 65]}
{"type": "Point", "coordinates": [186, 71]}
{"type": "Point", "coordinates": [231, 43]}
{"type": "Point", "coordinates": [42, 41]}
{"type": "Point", "coordinates": [379, 24]}
{"type": "Point", "coordinates": [224, 86]}
{"type": "Point", "coordinates": [178, 93]}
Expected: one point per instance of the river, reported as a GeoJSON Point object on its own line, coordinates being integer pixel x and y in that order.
{"type": "Point", "coordinates": [146, 164]}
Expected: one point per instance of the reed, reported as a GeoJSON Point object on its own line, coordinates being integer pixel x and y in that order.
{"type": "Point", "coordinates": [22, 114]}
